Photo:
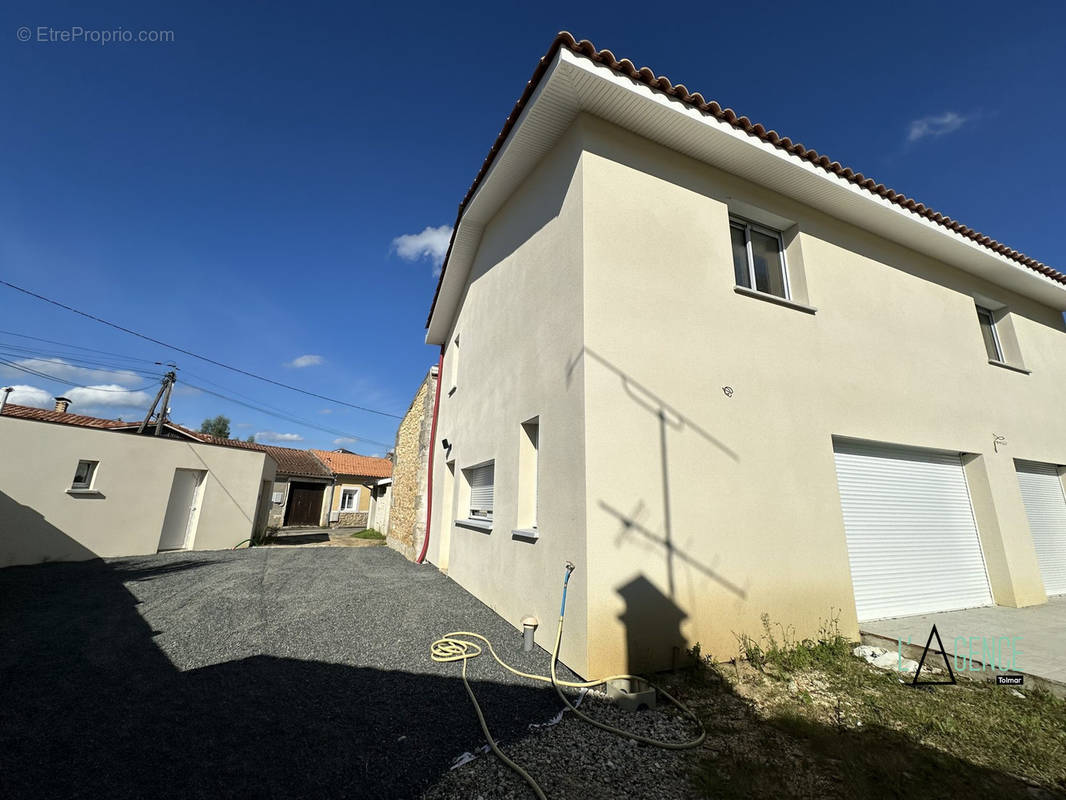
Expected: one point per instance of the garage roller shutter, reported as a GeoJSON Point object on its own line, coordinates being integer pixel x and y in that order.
{"type": "Point", "coordinates": [1045, 505]}
{"type": "Point", "coordinates": [912, 541]}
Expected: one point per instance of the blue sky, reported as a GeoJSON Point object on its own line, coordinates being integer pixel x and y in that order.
{"type": "Point", "coordinates": [271, 189]}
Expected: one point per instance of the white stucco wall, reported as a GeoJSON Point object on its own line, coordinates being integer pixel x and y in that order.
{"type": "Point", "coordinates": [734, 511]}
{"type": "Point", "coordinates": [520, 338]}
{"type": "Point", "coordinates": [41, 521]}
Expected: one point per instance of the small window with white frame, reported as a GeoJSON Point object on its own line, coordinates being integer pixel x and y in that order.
{"type": "Point", "coordinates": [758, 257]}
{"type": "Point", "coordinates": [993, 346]}
{"type": "Point", "coordinates": [349, 499]}
{"type": "Point", "coordinates": [84, 475]}
{"type": "Point", "coordinates": [481, 479]}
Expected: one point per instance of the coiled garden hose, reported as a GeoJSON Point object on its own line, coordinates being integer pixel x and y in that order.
{"type": "Point", "coordinates": [450, 648]}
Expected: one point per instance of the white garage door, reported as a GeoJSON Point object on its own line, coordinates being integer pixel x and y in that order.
{"type": "Point", "coordinates": [912, 540]}
{"type": "Point", "coordinates": [1045, 505]}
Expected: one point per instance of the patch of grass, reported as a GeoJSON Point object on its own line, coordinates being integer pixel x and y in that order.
{"type": "Point", "coordinates": [785, 654]}
{"type": "Point", "coordinates": [806, 718]}
{"type": "Point", "coordinates": [369, 533]}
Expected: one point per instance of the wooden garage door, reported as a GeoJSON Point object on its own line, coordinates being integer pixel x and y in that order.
{"type": "Point", "coordinates": [1045, 505]}
{"type": "Point", "coordinates": [305, 504]}
{"type": "Point", "coordinates": [912, 540]}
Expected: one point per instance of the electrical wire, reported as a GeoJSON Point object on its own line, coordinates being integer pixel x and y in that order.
{"type": "Point", "coordinates": [46, 376]}
{"type": "Point", "coordinates": [195, 355]}
{"type": "Point", "coordinates": [450, 648]}
{"type": "Point", "coordinates": [286, 417]}
{"type": "Point", "coordinates": [45, 356]}
{"type": "Point", "coordinates": [77, 347]}
{"type": "Point", "coordinates": [64, 359]}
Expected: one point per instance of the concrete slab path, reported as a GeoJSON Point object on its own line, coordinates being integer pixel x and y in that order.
{"type": "Point", "coordinates": [1039, 633]}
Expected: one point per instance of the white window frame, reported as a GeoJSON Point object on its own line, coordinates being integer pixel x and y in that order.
{"type": "Point", "coordinates": [86, 485]}
{"type": "Point", "coordinates": [985, 312]}
{"type": "Point", "coordinates": [355, 494]}
{"type": "Point", "coordinates": [748, 226]}
{"type": "Point", "coordinates": [480, 514]}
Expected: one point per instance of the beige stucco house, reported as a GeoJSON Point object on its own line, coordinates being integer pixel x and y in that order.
{"type": "Point", "coordinates": [74, 487]}
{"type": "Point", "coordinates": [361, 490]}
{"type": "Point", "coordinates": [727, 377]}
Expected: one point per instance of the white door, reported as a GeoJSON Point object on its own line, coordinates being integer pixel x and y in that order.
{"type": "Point", "coordinates": [912, 540]}
{"type": "Point", "coordinates": [182, 510]}
{"type": "Point", "coordinates": [1045, 505]}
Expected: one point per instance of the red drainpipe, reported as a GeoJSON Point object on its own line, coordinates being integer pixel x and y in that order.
{"type": "Point", "coordinates": [432, 447]}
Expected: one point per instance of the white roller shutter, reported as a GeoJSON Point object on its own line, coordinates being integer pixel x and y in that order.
{"type": "Point", "coordinates": [912, 539]}
{"type": "Point", "coordinates": [1045, 505]}
{"type": "Point", "coordinates": [481, 488]}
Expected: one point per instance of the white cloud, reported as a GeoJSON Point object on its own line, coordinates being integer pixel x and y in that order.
{"type": "Point", "coordinates": [64, 371]}
{"type": "Point", "coordinates": [109, 395]}
{"type": "Point", "coordinates": [936, 125]}
{"type": "Point", "coordinates": [274, 436]}
{"type": "Point", "coordinates": [306, 361]}
{"type": "Point", "coordinates": [326, 411]}
{"type": "Point", "coordinates": [431, 243]}
{"type": "Point", "coordinates": [31, 396]}
{"type": "Point", "coordinates": [345, 440]}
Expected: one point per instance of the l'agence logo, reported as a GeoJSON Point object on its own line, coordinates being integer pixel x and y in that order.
{"type": "Point", "coordinates": [977, 654]}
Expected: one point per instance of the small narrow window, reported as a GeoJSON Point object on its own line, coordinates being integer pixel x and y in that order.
{"type": "Point", "coordinates": [83, 475]}
{"type": "Point", "coordinates": [481, 481]}
{"type": "Point", "coordinates": [455, 365]}
{"type": "Point", "coordinates": [349, 499]}
{"type": "Point", "coordinates": [758, 258]}
{"type": "Point", "coordinates": [528, 475]}
{"type": "Point", "coordinates": [989, 333]}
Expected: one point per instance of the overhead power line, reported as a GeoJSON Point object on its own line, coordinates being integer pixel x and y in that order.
{"type": "Point", "coordinates": [287, 417]}
{"type": "Point", "coordinates": [196, 355]}
{"type": "Point", "coordinates": [64, 359]}
{"type": "Point", "coordinates": [78, 347]}
{"type": "Point", "coordinates": [46, 376]}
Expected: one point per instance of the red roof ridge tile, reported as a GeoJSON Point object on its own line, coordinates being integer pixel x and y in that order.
{"type": "Point", "coordinates": [695, 100]}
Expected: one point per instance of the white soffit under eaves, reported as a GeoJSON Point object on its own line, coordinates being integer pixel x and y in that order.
{"type": "Point", "coordinates": [574, 84]}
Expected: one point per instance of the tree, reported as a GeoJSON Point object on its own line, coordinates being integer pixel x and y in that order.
{"type": "Point", "coordinates": [219, 426]}
{"type": "Point", "coordinates": [250, 439]}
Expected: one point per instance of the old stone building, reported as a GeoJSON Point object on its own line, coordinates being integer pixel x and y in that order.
{"type": "Point", "coordinates": [407, 522]}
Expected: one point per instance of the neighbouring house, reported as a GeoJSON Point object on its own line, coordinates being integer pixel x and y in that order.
{"type": "Point", "coordinates": [360, 490]}
{"type": "Point", "coordinates": [300, 494]}
{"type": "Point", "coordinates": [728, 377]}
{"type": "Point", "coordinates": [407, 519]}
{"type": "Point", "coordinates": [73, 487]}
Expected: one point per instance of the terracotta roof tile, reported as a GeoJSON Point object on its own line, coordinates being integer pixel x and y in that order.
{"type": "Point", "coordinates": [48, 415]}
{"type": "Point", "coordinates": [354, 464]}
{"type": "Point", "coordinates": [299, 463]}
{"type": "Point", "coordinates": [695, 100]}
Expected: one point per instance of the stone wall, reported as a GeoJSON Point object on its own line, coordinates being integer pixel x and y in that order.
{"type": "Point", "coordinates": [350, 519]}
{"type": "Point", "coordinates": [410, 472]}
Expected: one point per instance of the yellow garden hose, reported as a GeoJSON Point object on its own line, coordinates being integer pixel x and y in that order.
{"type": "Point", "coordinates": [450, 648]}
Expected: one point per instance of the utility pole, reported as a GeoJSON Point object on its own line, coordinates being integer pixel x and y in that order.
{"type": "Point", "coordinates": [164, 389]}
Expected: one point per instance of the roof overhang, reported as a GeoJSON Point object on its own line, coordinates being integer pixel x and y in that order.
{"type": "Point", "coordinates": [573, 83]}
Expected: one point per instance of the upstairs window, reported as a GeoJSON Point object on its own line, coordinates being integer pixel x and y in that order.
{"type": "Point", "coordinates": [758, 258]}
{"type": "Point", "coordinates": [481, 481]}
{"type": "Point", "coordinates": [83, 475]}
{"type": "Point", "coordinates": [988, 330]}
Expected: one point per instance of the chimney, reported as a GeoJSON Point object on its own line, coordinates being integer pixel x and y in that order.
{"type": "Point", "coordinates": [3, 400]}
{"type": "Point", "coordinates": [62, 403]}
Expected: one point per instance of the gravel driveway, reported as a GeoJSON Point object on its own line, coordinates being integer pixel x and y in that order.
{"type": "Point", "coordinates": [268, 673]}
